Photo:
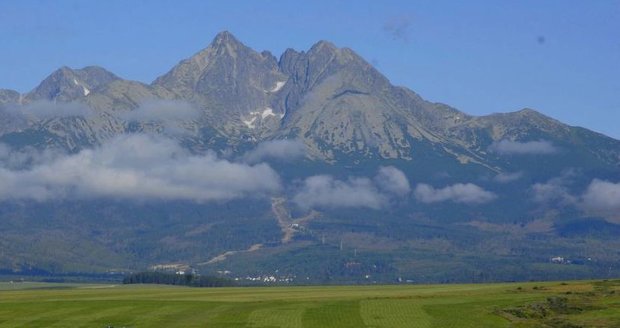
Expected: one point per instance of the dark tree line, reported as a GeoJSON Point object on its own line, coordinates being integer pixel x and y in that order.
{"type": "Point", "coordinates": [176, 279]}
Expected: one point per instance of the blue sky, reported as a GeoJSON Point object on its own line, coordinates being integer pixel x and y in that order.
{"type": "Point", "coordinates": [559, 57]}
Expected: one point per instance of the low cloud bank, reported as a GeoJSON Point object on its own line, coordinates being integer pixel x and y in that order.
{"type": "Point", "coordinates": [355, 192]}
{"type": "Point", "coordinates": [325, 191]}
{"type": "Point", "coordinates": [467, 193]}
{"type": "Point", "coordinates": [26, 157]}
{"type": "Point", "coordinates": [284, 150]}
{"type": "Point", "coordinates": [600, 197]}
{"type": "Point", "coordinates": [138, 167]}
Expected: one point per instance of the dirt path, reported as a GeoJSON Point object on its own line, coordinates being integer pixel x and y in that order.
{"type": "Point", "coordinates": [287, 224]}
{"type": "Point", "coordinates": [225, 255]}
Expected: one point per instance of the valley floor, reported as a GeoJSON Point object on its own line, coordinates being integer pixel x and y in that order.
{"type": "Point", "coordinates": [548, 304]}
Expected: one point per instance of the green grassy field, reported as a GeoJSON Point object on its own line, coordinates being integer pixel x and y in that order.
{"type": "Point", "coordinates": [551, 304]}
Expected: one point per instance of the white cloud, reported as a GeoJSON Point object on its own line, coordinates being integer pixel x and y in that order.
{"type": "Point", "coordinates": [467, 193]}
{"type": "Point", "coordinates": [547, 192]}
{"type": "Point", "coordinates": [393, 180]}
{"type": "Point", "coordinates": [602, 196]}
{"type": "Point", "coordinates": [508, 147]}
{"type": "Point", "coordinates": [360, 192]}
{"type": "Point", "coordinates": [42, 110]}
{"type": "Point", "coordinates": [325, 191]}
{"type": "Point", "coordinates": [162, 110]}
{"type": "Point", "coordinates": [507, 177]}
{"type": "Point", "coordinates": [599, 197]}
{"type": "Point", "coordinates": [11, 119]}
{"type": "Point", "coordinates": [26, 157]}
{"type": "Point", "coordinates": [171, 115]}
{"type": "Point", "coordinates": [555, 190]}
{"type": "Point", "coordinates": [276, 149]}
{"type": "Point", "coordinates": [5, 152]}
{"type": "Point", "coordinates": [138, 167]}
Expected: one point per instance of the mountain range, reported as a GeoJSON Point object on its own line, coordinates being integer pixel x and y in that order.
{"type": "Point", "coordinates": [312, 165]}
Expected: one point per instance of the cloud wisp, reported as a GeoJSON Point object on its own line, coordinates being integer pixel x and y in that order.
{"type": "Point", "coordinates": [26, 157]}
{"type": "Point", "coordinates": [467, 193]}
{"type": "Point", "coordinates": [555, 190]}
{"type": "Point", "coordinates": [355, 192]}
{"type": "Point", "coordinates": [325, 191]}
{"type": "Point", "coordinates": [171, 115]}
{"type": "Point", "coordinates": [283, 150]}
{"type": "Point", "coordinates": [508, 177]}
{"type": "Point", "coordinates": [508, 147]}
{"type": "Point", "coordinates": [43, 110]}
{"type": "Point", "coordinates": [162, 110]}
{"type": "Point", "coordinates": [138, 167]}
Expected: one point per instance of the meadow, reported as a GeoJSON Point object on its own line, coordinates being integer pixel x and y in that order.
{"type": "Point", "coordinates": [548, 304]}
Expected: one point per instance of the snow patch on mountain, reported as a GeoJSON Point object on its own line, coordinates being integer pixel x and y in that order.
{"type": "Point", "coordinates": [278, 86]}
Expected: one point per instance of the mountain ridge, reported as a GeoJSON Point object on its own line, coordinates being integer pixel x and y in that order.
{"type": "Point", "coordinates": [364, 177]}
{"type": "Point", "coordinates": [330, 98]}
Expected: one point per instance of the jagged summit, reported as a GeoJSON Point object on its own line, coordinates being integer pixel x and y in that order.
{"type": "Point", "coordinates": [323, 45]}
{"type": "Point", "coordinates": [223, 59]}
{"type": "Point", "coordinates": [232, 83]}
{"type": "Point", "coordinates": [328, 97]}
{"type": "Point", "coordinates": [66, 84]}
{"type": "Point", "coordinates": [226, 44]}
{"type": "Point", "coordinates": [225, 38]}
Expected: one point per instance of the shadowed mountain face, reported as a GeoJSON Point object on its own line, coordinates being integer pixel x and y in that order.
{"type": "Point", "coordinates": [211, 164]}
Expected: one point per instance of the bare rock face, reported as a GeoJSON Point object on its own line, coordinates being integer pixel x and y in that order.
{"type": "Point", "coordinates": [233, 84]}
{"type": "Point", "coordinates": [334, 99]}
{"type": "Point", "coordinates": [337, 102]}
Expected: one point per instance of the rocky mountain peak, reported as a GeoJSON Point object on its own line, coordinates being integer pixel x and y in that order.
{"type": "Point", "coordinates": [226, 44]}
{"type": "Point", "coordinates": [323, 46]}
{"type": "Point", "coordinates": [96, 76]}
{"type": "Point", "coordinates": [288, 60]}
{"type": "Point", "coordinates": [232, 83]}
{"type": "Point", "coordinates": [219, 63]}
{"type": "Point", "coordinates": [529, 112]}
{"type": "Point", "coordinates": [66, 84]}
{"type": "Point", "coordinates": [8, 96]}
{"type": "Point", "coordinates": [226, 38]}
